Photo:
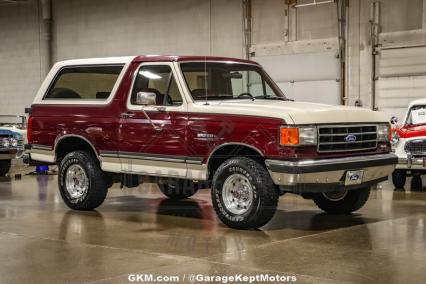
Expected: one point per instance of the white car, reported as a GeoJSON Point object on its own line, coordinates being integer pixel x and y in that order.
{"type": "Point", "coordinates": [13, 136]}
{"type": "Point", "coordinates": [409, 144]}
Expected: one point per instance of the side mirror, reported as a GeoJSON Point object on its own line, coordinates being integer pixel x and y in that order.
{"type": "Point", "coordinates": [394, 120]}
{"type": "Point", "coordinates": [146, 98]}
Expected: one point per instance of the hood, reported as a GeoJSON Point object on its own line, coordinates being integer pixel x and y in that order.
{"type": "Point", "coordinates": [14, 132]}
{"type": "Point", "coordinates": [410, 131]}
{"type": "Point", "coordinates": [293, 112]}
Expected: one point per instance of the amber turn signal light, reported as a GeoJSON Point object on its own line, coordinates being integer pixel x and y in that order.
{"type": "Point", "coordinates": [289, 136]}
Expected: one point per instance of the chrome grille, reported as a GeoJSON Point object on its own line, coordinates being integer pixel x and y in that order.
{"type": "Point", "coordinates": [416, 147]}
{"type": "Point", "coordinates": [3, 137]}
{"type": "Point", "coordinates": [347, 138]}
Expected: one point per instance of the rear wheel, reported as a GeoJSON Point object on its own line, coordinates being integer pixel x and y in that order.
{"type": "Point", "coordinates": [82, 184]}
{"type": "Point", "coordinates": [4, 167]}
{"type": "Point", "coordinates": [399, 178]}
{"type": "Point", "coordinates": [179, 188]}
{"type": "Point", "coordinates": [342, 202]}
{"type": "Point", "coordinates": [243, 194]}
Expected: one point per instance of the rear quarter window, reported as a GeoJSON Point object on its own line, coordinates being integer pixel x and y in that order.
{"type": "Point", "coordinates": [84, 83]}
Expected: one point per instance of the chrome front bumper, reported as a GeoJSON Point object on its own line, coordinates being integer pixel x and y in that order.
{"type": "Point", "coordinates": [8, 154]}
{"type": "Point", "coordinates": [4, 156]}
{"type": "Point", "coordinates": [329, 174]}
{"type": "Point", "coordinates": [411, 163]}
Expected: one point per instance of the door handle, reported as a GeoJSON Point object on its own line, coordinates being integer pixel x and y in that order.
{"type": "Point", "coordinates": [127, 114]}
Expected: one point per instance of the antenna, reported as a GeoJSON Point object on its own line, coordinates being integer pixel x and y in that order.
{"type": "Point", "coordinates": [205, 80]}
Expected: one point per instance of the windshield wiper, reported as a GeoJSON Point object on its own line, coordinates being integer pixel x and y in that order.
{"type": "Point", "coordinates": [274, 98]}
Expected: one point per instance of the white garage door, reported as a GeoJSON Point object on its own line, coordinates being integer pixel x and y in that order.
{"type": "Point", "coordinates": [311, 77]}
{"type": "Point", "coordinates": [402, 78]}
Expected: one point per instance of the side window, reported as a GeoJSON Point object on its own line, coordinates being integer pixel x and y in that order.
{"type": "Point", "coordinates": [157, 79]}
{"type": "Point", "coordinates": [84, 83]}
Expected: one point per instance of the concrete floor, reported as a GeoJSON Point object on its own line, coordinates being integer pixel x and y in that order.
{"type": "Point", "coordinates": [139, 231]}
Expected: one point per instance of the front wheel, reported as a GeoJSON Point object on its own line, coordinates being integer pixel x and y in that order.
{"type": "Point", "coordinates": [243, 194]}
{"type": "Point", "coordinates": [4, 167]}
{"type": "Point", "coordinates": [343, 201]}
{"type": "Point", "coordinates": [416, 183]}
{"type": "Point", "coordinates": [82, 184]}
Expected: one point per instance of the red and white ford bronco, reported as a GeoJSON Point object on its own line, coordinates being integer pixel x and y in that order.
{"type": "Point", "coordinates": [190, 122]}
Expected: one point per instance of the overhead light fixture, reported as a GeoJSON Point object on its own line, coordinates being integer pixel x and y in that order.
{"type": "Point", "coordinates": [314, 3]}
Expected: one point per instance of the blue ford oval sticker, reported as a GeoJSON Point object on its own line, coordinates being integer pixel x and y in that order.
{"type": "Point", "coordinates": [350, 138]}
{"type": "Point", "coordinates": [354, 177]}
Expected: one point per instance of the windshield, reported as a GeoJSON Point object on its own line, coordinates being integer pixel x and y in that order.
{"type": "Point", "coordinates": [228, 81]}
{"type": "Point", "coordinates": [16, 121]}
{"type": "Point", "coordinates": [416, 115]}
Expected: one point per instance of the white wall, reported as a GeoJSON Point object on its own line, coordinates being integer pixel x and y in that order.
{"type": "Point", "coordinates": [109, 28]}
{"type": "Point", "coordinates": [98, 28]}
{"type": "Point", "coordinates": [298, 47]}
{"type": "Point", "coordinates": [19, 57]}
{"type": "Point", "coordinates": [311, 77]}
{"type": "Point", "coordinates": [85, 28]}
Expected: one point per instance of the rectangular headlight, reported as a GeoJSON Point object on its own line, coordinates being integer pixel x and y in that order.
{"type": "Point", "coordinates": [383, 132]}
{"type": "Point", "coordinates": [297, 136]}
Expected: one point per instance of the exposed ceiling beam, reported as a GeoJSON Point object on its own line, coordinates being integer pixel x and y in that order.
{"type": "Point", "coordinates": [14, 2]}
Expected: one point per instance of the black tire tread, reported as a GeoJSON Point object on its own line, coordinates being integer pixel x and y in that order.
{"type": "Point", "coordinates": [399, 177]}
{"type": "Point", "coordinates": [98, 185]}
{"type": "Point", "coordinates": [354, 200]}
{"type": "Point", "coordinates": [416, 183]}
{"type": "Point", "coordinates": [269, 195]}
{"type": "Point", "coordinates": [4, 167]}
{"type": "Point", "coordinates": [178, 189]}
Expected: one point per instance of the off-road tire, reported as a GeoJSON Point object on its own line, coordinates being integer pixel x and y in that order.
{"type": "Point", "coordinates": [399, 177]}
{"type": "Point", "coordinates": [352, 201]}
{"type": "Point", "coordinates": [4, 167]}
{"type": "Point", "coordinates": [98, 184]}
{"type": "Point", "coordinates": [178, 188]}
{"type": "Point", "coordinates": [416, 183]}
{"type": "Point", "coordinates": [265, 194]}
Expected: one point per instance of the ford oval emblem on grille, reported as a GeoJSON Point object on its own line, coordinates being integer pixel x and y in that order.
{"type": "Point", "coordinates": [354, 177]}
{"type": "Point", "coordinates": [350, 138]}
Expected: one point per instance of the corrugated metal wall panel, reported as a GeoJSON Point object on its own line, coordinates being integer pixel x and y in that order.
{"type": "Point", "coordinates": [402, 61]}
{"type": "Point", "coordinates": [305, 77]}
{"type": "Point", "coordinates": [325, 91]}
{"type": "Point", "coordinates": [396, 93]}
{"type": "Point", "coordinates": [402, 78]}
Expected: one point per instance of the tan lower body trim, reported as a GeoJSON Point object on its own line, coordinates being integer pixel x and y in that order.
{"type": "Point", "coordinates": [154, 168]}
{"type": "Point", "coordinates": [42, 155]}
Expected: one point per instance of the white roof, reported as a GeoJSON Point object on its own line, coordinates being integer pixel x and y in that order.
{"type": "Point", "coordinates": [100, 60]}
{"type": "Point", "coordinates": [126, 60]}
{"type": "Point", "coordinates": [418, 102]}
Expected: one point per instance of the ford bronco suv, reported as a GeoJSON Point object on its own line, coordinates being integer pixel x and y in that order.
{"type": "Point", "coordinates": [409, 144]}
{"type": "Point", "coordinates": [190, 122]}
{"type": "Point", "coordinates": [12, 139]}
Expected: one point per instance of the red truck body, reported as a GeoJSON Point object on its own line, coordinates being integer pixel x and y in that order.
{"type": "Point", "coordinates": [199, 140]}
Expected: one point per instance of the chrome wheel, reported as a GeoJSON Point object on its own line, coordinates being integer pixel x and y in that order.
{"type": "Point", "coordinates": [336, 195]}
{"type": "Point", "coordinates": [76, 181]}
{"type": "Point", "coordinates": [237, 194]}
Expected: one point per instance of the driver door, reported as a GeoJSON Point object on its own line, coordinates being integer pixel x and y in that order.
{"type": "Point", "coordinates": [153, 137]}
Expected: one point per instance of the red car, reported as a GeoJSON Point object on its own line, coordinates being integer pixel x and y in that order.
{"type": "Point", "coordinates": [409, 144]}
{"type": "Point", "coordinates": [190, 122]}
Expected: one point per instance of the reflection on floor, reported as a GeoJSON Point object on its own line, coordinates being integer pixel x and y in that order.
{"type": "Point", "coordinates": [139, 231]}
